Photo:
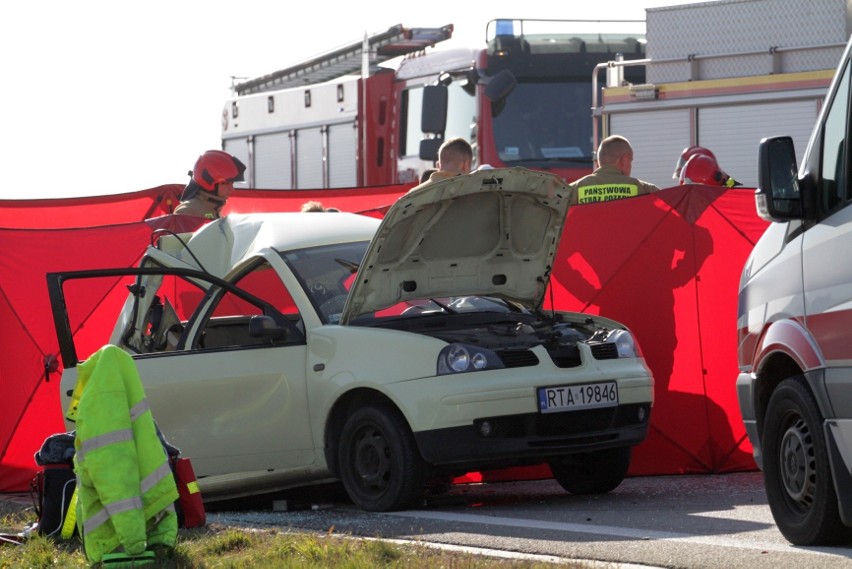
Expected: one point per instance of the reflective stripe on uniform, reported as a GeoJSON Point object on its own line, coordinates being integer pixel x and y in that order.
{"type": "Point", "coordinates": [94, 443]}
{"type": "Point", "coordinates": [606, 192]}
{"type": "Point", "coordinates": [110, 510]}
{"type": "Point", "coordinates": [138, 409]}
{"type": "Point", "coordinates": [149, 481]}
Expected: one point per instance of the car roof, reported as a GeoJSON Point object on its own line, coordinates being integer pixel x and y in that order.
{"type": "Point", "coordinates": [226, 242]}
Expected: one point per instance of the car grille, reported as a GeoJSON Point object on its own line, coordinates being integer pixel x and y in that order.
{"type": "Point", "coordinates": [605, 351]}
{"type": "Point", "coordinates": [565, 356]}
{"type": "Point", "coordinates": [567, 423]}
{"type": "Point", "coordinates": [517, 358]}
{"type": "Point", "coordinates": [569, 356]}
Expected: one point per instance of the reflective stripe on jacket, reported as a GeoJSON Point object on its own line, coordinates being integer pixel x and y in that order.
{"type": "Point", "coordinates": [608, 183]}
{"type": "Point", "coordinates": [125, 485]}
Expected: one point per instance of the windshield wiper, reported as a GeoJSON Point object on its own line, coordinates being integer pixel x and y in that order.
{"type": "Point", "coordinates": [444, 307]}
{"type": "Point", "coordinates": [353, 267]}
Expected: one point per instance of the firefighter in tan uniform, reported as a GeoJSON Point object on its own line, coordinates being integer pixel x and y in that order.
{"type": "Point", "coordinates": [612, 179]}
{"type": "Point", "coordinates": [455, 156]}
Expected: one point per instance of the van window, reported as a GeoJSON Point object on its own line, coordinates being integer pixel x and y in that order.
{"type": "Point", "coordinates": [834, 189]}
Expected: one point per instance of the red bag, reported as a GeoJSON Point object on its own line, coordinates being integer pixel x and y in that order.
{"type": "Point", "coordinates": [190, 506]}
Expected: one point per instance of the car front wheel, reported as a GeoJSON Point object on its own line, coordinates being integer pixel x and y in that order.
{"type": "Point", "coordinates": [596, 472]}
{"type": "Point", "coordinates": [799, 485]}
{"type": "Point", "coordinates": [380, 465]}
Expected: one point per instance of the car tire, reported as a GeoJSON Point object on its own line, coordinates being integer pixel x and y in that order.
{"type": "Point", "coordinates": [596, 472]}
{"type": "Point", "coordinates": [797, 474]}
{"type": "Point", "coordinates": [380, 465]}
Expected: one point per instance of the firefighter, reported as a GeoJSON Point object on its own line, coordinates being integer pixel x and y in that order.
{"type": "Point", "coordinates": [455, 156]}
{"type": "Point", "coordinates": [688, 153]}
{"type": "Point", "coordinates": [612, 179]}
{"type": "Point", "coordinates": [126, 489]}
{"type": "Point", "coordinates": [211, 182]}
{"type": "Point", "coordinates": [703, 169]}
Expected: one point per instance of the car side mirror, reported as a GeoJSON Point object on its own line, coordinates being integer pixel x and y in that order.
{"type": "Point", "coordinates": [778, 197]}
{"type": "Point", "coordinates": [266, 327]}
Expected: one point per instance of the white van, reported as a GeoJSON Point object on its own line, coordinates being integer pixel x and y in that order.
{"type": "Point", "coordinates": [794, 325]}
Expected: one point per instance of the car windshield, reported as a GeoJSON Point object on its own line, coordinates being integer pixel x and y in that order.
{"type": "Point", "coordinates": [327, 273]}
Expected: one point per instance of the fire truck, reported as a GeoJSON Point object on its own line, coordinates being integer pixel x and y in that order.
{"type": "Point", "coordinates": [343, 120]}
{"type": "Point", "coordinates": [723, 75]}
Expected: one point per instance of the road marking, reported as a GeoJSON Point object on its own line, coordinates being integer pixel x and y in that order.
{"type": "Point", "coordinates": [630, 533]}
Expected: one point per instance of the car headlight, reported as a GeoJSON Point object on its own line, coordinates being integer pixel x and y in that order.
{"type": "Point", "coordinates": [461, 358]}
{"type": "Point", "coordinates": [624, 343]}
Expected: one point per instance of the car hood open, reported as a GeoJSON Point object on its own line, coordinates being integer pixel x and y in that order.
{"type": "Point", "coordinates": [490, 233]}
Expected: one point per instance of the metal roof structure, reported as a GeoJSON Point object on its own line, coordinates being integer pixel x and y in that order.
{"type": "Point", "coordinates": [346, 60]}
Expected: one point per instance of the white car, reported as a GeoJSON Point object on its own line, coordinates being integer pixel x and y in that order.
{"type": "Point", "coordinates": [284, 349]}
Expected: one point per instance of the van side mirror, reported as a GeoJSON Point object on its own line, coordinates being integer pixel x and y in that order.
{"type": "Point", "coordinates": [778, 196]}
{"type": "Point", "coordinates": [433, 119]}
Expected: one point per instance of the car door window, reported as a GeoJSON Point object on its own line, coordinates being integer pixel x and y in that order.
{"type": "Point", "coordinates": [229, 320]}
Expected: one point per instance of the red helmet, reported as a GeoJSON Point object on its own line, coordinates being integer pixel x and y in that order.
{"type": "Point", "coordinates": [216, 167]}
{"type": "Point", "coordinates": [701, 169]}
{"type": "Point", "coordinates": [212, 168]}
{"type": "Point", "coordinates": [689, 153]}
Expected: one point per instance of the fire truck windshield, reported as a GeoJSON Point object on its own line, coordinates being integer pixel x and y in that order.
{"type": "Point", "coordinates": [545, 122]}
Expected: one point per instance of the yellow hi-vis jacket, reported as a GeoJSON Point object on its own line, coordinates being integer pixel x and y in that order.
{"type": "Point", "coordinates": [126, 490]}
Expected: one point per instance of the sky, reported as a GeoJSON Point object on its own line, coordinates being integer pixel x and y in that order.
{"type": "Point", "coordinates": [105, 97]}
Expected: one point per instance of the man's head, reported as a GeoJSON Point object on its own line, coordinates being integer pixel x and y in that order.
{"type": "Point", "coordinates": [213, 176]}
{"type": "Point", "coordinates": [312, 206]}
{"type": "Point", "coordinates": [455, 155]}
{"type": "Point", "coordinates": [616, 151]}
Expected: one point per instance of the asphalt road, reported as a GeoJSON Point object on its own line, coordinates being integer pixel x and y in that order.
{"type": "Point", "coordinates": [672, 521]}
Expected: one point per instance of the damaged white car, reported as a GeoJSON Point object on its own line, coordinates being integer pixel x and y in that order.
{"type": "Point", "coordinates": [284, 349]}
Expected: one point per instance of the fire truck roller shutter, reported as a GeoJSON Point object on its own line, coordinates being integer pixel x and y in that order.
{"type": "Point", "coordinates": [272, 154]}
{"type": "Point", "coordinates": [343, 155]}
{"type": "Point", "coordinates": [309, 158]}
{"type": "Point", "coordinates": [733, 132]}
{"type": "Point", "coordinates": [657, 138]}
{"type": "Point", "coordinates": [238, 148]}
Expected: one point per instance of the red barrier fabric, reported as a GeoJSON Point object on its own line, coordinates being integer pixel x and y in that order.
{"type": "Point", "coordinates": [667, 265]}
{"type": "Point", "coordinates": [89, 211]}
{"type": "Point", "coordinates": [162, 200]}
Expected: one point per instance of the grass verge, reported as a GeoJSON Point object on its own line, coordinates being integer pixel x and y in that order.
{"type": "Point", "coordinates": [217, 546]}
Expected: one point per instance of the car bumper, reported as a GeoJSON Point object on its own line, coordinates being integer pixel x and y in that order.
{"type": "Point", "coordinates": [534, 437]}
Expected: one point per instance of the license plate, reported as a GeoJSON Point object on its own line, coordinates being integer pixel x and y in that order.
{"type": "Point", "coordinates": [571, 397]}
